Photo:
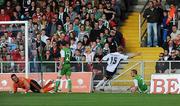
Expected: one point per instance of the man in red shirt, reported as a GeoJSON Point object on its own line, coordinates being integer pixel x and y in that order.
{"type": "Point", "coordinates": [3, 16]}
{"type": "Point", "coordinates": [29, 84]}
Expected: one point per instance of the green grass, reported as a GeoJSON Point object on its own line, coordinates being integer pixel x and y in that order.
{"type": "Point", "coordinates": [93, 99]}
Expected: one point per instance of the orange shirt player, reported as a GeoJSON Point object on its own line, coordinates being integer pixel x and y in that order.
{"type": "Point", "coordinates": [29, 84]}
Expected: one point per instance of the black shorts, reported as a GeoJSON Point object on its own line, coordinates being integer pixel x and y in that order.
{"type": "Point", "coordinates": [109, 75]}
{"type": "Point", "coordinates": [34, 86]}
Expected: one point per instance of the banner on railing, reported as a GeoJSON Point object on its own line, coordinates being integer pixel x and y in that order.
{"type": "Point", "coordinates": [165, 84]}
{"type": "Point", "coordinates": [81, 81]}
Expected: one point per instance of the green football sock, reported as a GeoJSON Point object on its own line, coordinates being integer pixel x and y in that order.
{"type": "Point", "coordinates": [69, 84]}
{"type": "Point", "coordinates": [58, 81]}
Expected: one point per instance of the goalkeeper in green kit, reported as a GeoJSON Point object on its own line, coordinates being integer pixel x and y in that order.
{"type": "Point", "coordinates": [139, 84]}
{"type": "Point", "coordinates": [64, 68]}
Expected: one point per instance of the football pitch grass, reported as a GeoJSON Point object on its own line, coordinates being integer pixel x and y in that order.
{"type": "Point", "coordinates": [93, 99]}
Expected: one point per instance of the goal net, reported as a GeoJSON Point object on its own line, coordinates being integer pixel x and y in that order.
{"type": "Point", "coordinates": [20, 52]}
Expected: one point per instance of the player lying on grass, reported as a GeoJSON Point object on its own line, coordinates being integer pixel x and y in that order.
{"type": "Point", "coordinates": [29, 84]}
{"type": "Point", "coordinates": [139, 84]}
{"type": "Point", "coordinates": [113, 60]}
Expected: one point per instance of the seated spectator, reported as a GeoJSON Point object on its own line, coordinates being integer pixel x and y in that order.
{"type": "Point", "coordinates": [174, 65]}
{"type": "Point", "coordinates": [175, 32]}
{"type": "Point", "coordinates": [73, 46]}
{"type": "Point", "coordinates": [82, 33]}
{"type": "Point", "coordinates": [170, 46]}
{"type": "Point", "coordinates": [77, 58]}
{"type": "Point", "coordinates": [86, 41]}
{"type": "Point", "coordinates": [112, 44]}
{"type": "Point", "coordinates": [166, 55]}
{"type": "Point", "coordinates": [94, 32]}
{"type": "Point", "coordinates": [4, 16]}
{"type": "Point", "coordinates": [106, 49]}
{"type": "Point", "coordinates": [161, 65]}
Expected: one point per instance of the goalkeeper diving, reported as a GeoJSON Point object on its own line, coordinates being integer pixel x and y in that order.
{"type": "Point", "coordinates": [29, 85]}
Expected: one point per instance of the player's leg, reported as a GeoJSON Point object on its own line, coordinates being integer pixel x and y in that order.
{"type": "Point", "coordinates": [35, 87]}
{"type": "Point", "coordinates": [58, 80]}
{"type": "Point", "coordinates": [48, 84]}
{"type": "Point", "coordinates": [104, 84]}
{"type": "Point", "coordinates": [108, 76]}
{"type": "Point", "coordinates": [101, 82]}
{"type": "Point", "coordinates": [48, 87]}
{"type": "Point", "coordinates": [68, 77]}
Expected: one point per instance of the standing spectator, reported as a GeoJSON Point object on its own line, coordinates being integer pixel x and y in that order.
{"type": "Point", "coordinates": [172, 13]}
{"type": "Point", "coordinates": [109, 12]}
{"type": "Point", "coordinates": [164, 27]}
{"type": "Point", "coordinates": [159, 17]}
{"type": "Point", "coordinates": [151, 15]}
{"type": "Point", "coordinates": [116, 7]}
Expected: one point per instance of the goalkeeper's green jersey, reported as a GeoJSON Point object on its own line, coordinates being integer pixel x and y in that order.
{"type": "Point", "coordinates": [141, 84]}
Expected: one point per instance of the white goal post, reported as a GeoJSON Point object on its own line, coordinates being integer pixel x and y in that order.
{"type": "Point", "coordinates": [26, 41]}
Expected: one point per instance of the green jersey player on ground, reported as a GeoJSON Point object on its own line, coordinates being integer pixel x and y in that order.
{"type": "Point", "coordinates": [64, 68]}
{"type": "Point", "coordinates": [139, 84]}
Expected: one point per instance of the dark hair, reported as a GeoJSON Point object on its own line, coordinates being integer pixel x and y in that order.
{"type": "Point", "coordinates": [13, 75]}
{"type": "Point", "coordinates": [63, 43]}
{"type": "Point", "coordinates": [134, 71]}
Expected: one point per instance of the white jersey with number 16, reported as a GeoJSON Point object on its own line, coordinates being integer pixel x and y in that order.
{"type": "Point", "coordinates": [113, 60]}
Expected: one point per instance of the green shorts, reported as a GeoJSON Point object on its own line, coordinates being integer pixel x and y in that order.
{"type": "Point", "coordinates": [66, 70]}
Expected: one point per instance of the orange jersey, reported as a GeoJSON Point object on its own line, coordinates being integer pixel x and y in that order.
{"type": "Point", "coordinates": [23, 83]}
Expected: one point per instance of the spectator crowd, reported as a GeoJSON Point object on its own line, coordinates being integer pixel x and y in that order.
{"type": "Point", "coordinates": [163, 29]}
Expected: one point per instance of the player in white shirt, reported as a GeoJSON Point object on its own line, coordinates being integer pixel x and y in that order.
{"type": "Point", "coordinates": [113, 60]}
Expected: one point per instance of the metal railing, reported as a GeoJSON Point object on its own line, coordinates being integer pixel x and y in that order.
{"type": "Point", "coordinates": [54, 65]}
{"type": "Point", "coordinates": [142, 25]}
{"type": "Point", "coordinates": [144, 68]}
